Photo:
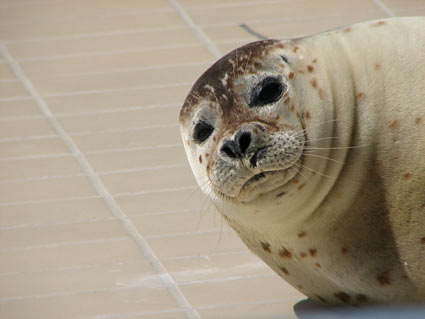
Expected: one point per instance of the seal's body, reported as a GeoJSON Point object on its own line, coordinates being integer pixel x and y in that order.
{"type": "Point", "coordinates": [313, 150]}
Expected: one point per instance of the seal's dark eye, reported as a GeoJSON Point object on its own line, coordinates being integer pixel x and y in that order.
{"type": "Point", "coordinates": [267, 91]}
{"type": "Point", "coordinates": [202, 131]}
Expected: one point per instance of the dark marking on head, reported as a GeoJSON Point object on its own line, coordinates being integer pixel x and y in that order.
{"type": "Point", "coordinates": [291, 75]}
{"type": "Point", "coordinates": [313, 252]}
{"type": "Point", "coordinates": [295, 49]}
{"type": "Point", "coordinates": [285, 253]}
{"type": "Point", "coordinates": [377, 66]}
{"type": "Point", "coordinates": [303, 254]}
{"type": "Point", "coordinates": [285, 59]}
{"type": "Point", "coordinates": [313, 82]}
{"type": "Point", "coordinates": [310, 68]}
{"type": "Point", "coordinates": [360, 95]}
{"type": "Point", "coordinates": [206, 154]}
{"type": "Point", "coordinates": [300, 287]}
{"type": "Point", "coordinates": [301, 186]}
{"type": "Point", "coordinates": [422, 240]}
{"type": "Point", "coordinates": [314, 60]}
{"type": "Point", "coordinates": [213, 77]}
{"type": "Point", "coordinates": [302, 234]}
{"type": "Point", "coordinates": [200, 159]}
{"type": "Point", "coordinates": [266, 247]}
{"type": "Point", "coordinates": [292, 107]}
{"type": "Point", "coordinates": [284, 270]}
{"type": "Point", "coordinates": [307, 115]}
{"type": "Point", "coordinates": [318, 265]}
{"type": "Point", "coordinates": [418, 120]}
{"type": "Point", "coordinates": [344, 297]}
{"type": "Point", "coordinates": [344, 251]}
{"type": "Point", "coordinates": [384, 278]}
{"type": "Point", "coordinates": [347, 30]}
{"type": "Point", "coordinates": [281, 194]}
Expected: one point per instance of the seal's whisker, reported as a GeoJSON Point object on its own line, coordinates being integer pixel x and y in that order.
{"type": "Point", "coordinates": [324, 157]}
{"type": "Point", "coordinates": [310, 148]}
{"type": "Point", "coordinates": [297, 134]}
{"type": "Point", "coordinates": [312, 170]}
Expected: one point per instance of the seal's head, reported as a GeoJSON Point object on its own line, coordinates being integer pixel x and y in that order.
{"type": "Point", "coordinates": [243, 141]}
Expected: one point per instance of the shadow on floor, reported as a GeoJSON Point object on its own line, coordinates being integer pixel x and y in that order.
{"type": "Point", "coordinates": [308, 309]}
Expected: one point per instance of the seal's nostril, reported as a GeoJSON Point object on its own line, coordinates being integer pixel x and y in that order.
{"type": "Point", "coordinates": [243, 139]}
{"type": "Point", "coordinates": [231, 149]}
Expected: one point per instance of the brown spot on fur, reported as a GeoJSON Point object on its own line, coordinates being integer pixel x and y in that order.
{"type": "Point", "coordinates": [344, 297]}
{"type": "Point", "coordinates": [303, 254]}
{"type": "Point", "coordinates": [347, 30]}
{"type": "Point", "coordinates": [281, 46]}
{"type": "Point", "coordinates": [384, 278]}
{"type": "Point", "coordinates": [300, 287]}
{"type": "Point", "coordinates": [187, 142]}
{"type": "Point", "coordinates": [360, 95]}
{"type": "Point", "coordinates": [344, 250]}
{"type": "Point", "coordinates": [287, 100]}
{"type": "Point", "coordinates": [314, 83]}
{"type": "Point", "coordinates": [296, 181]}
{"type": "Point", "coordinates": [318, 265]}
{"type": "Point", "coordinates": [377, 66]}
{"type": "Point", "coordinates": [379, 23]}
{"type": "Point", "coordinates": [292, 107]}
{"type": "Point", "coordinates": [307, 115]}
{"type": "Point", "coordinates": [295, 49]}
{"type": "Point", "coordinates": [280, 194]}
{"type": "Point", "coordinates": [422, 240]}
{"type": "Point", "coordinates": [301, 186]}
{"type": "Point", "coordinates": [285, 253]}
{"type": "Point", "coordinates": [301, 71]}
{"type": "Point", "coordinates": [393, 124]}
{"type": "Point", "coordinates": [206, 154]}
{"type": "Point", "coordinates": [302, 234]}
{"type": "Point", "coordinates": [407, 175]}
{"type": "Point", "coordinates": [313, 252]}
{"type": "Point", "coordinates": [277, 117]}
{"type": "Point", "coordinates": [310, 68]}
{"type": "Point", "coordinates": [314, 61]}
{"type": "Point", "coordinates": [200, 159]}
{"type": "Point", "coordinates": [360, 298]}
{"type": "Point", "coordinates": [266, 247]}
{"type": "Point", "coordinates": [214, 139]}
{"type": "Point", "coordinates": [321, 93]}
{"type": "Point", "coordinates": [291, 75]}
{"type": "Point", "coordinates": [418, 120]}
{"type": "Point", "coordinates": [284, 270]}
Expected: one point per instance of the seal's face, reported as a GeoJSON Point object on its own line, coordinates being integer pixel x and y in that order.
{"type": "Point", "coordinates": [242, 139]}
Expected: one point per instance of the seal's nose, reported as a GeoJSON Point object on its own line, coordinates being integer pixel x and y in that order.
{"type": "Point", "coordinates": [237, 147]}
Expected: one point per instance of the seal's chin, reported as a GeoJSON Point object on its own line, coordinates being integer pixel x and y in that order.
{"type": "Point", "coordinates": [262, 184]}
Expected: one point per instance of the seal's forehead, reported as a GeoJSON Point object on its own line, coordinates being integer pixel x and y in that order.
{"type": "Point", "coordinates": [217, 82]}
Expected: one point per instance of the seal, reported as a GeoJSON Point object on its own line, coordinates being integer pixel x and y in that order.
{"type": "Point", "coordinates": [313, 150]}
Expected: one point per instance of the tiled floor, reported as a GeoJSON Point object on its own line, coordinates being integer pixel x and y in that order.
{"type": "Point", "coordinates": [100, 216]}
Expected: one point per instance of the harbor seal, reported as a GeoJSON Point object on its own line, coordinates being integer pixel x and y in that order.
{"type": "Point", "coordinates": [313, 151]}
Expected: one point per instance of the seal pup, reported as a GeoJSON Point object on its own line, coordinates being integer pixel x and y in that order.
{"type": "Point", "coordinates": [313, 151]}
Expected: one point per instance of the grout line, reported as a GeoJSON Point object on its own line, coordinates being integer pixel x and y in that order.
{"type": "Point", "coordinates": [133, 88]}
{"type": "Point", "coordinates": [381, 6]}
{"type": "Point", "coordinates": [83, 267]}
{"type": "Point", "coordinates": [118, 195]}
{"type": "Point", "coordinates": [97, 152]}
{"type": "Point", "coordinates": [195, 29]}
{"type": "Point", "coordinates": [128, 288]}
{"type": "Point", "coordinates": [98, 219]}
{"type": "Point", "coordinates": [100, 173]}
{"type": "Point", "coordinates": [89, 113]}
{"type": "Point", "coordinates": [96, 34]}
{"type": "Point", "coordinates": [115, 209]}
{"type": "Point", "coordinates": [217, 230]}
{"type": "Point", "coordinates": [106, 53]}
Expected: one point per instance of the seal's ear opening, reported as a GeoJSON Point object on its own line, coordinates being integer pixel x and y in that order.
{"type": "Point", "coordinates": [266, 92]}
